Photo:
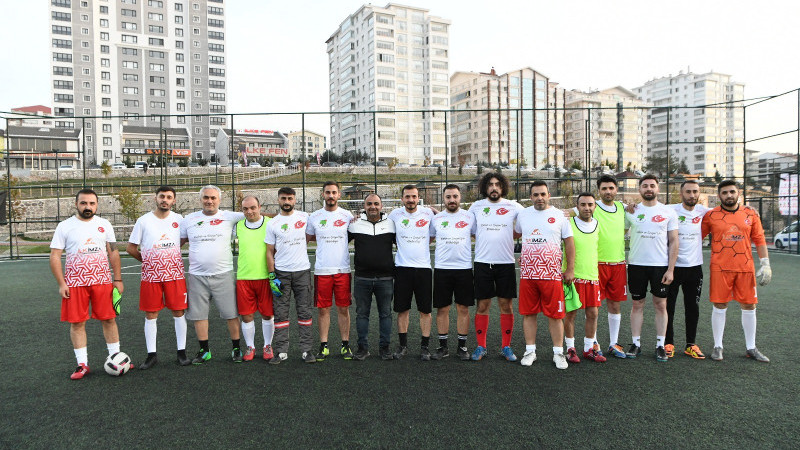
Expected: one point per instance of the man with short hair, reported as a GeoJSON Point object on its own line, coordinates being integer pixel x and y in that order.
{"type": "Point", "coordinates": [156, 242]}
{"type": "Point", "coordinates": [328, 227]}
{"type": "Point", "coordinates": [252, 284]}
{"type": "Point", "coordinates": [290, 275]}
{"type": "Point", "coordinates": [585, 235]}
{"type": "Point", "coordinates": [89, 244]}
{"type": "Point", "coordinates": [654, 250]}
{"type": "Point", "coordinates": [732, 230]}
{"type": "Point", "coordinates": [373, 236]}
{"type": "Point", "coordinates": [495, 269]}
{"type": "Point", "coordinates": [452, 229]}
{"type": "Point", "coordinates": [210, 274]}
{"type": "Point", "coordinates": [413, 275]}
{"type": "Point", "coordinates": [543, 228]}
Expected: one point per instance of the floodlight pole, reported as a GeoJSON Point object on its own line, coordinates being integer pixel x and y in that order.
{"type": "Point", "coordinates": [303, 150]}
{"type": "Point", "coordinates": [797, 174]}
{"type": "Point", "coordinates": [669, 114]}
{"type": "Point", "coordinates": [375, 151]}
{"type": "Point", "coordinates": [9, 203]}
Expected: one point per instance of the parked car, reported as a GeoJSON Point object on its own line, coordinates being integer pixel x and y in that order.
{"type": "Point", "coordinates": [141, 165]}
{"type": "Point", "coordinates": [313, 165]}
{"type": "Point", "coordinates": [65, 167]}
{"type": "Point", "coordinates": [347, 165]}
{"type": "Point", "coordinates": [638, 173]}
{"type": "Point", "coordinates": [280, 165]}
{"type": "Point", "coordinates": [330, 164]}
{"type": "Point", "coordinates": [788, 236]}
{"type": "Point", "coordinates": [194, 164]}
{"type": "Point", "coordinates": [381, 164]}
{"type": "Point", "coordinates": [119, 166]}
{"type": "Point", "coordinates": [402, 165]}
{"type": "Point", "coordinates": [294, 165]}
{"type": "Point", "coordinates": [172, 164]}
{"type": "Point", "coordinates": [254, 164]}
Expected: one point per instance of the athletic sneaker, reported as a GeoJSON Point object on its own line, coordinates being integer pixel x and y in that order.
{"type": "Point", "coordinates": [594, 354]}
{"type": "Point", "coordinates": [716, 354]}
{"type": "Point", "coordinates": [528, 358]}
{"type": "Point", "coordinates": [508, 354]}
{"type": "Point", "coordinates": [249, 353]}
{"type": "Point", "coordinates": [323, 352]}
{"type": "Point", "coordinates": [80, 372]}
{"type": "Point", "coordinates": [661, 354]}
{"type": "Point", "coordinates": [308, 357]}
{"type": "Point", "coordinates": [346, 352]}
{"type": "Point", "coordinates": [201, 357]}
{"type": "Point", "coordinates": [463, 353]}
{"type": "Point", "coordinates": [757, 355]}
{"type": "Point", "coordinates": [236, 355]}
{"type": "Point", "coordinates": [149, 362]}
{"type": "Point", "coordinates": [694, 351]}
{"type": "Point", "coordinates": [268, 355]}
{"type": "Point", "coordinates": [361, 354]}
{"type": "Point", "coordinates": [617, 350]}
{"type": "Point", "coordinates": [402, 351]}
{"type": "Point", "coordinates": [424, 353]}
{"type": "Point", "coordinates": [441, 352]}
{"type": "Point", "coordinates": [280, 357]}
{"type": "Point", "coordinates": [183, 360]}
{"type": "Point", "coordinates": [479, 353]}
{"type": "Point", "coordinates": [633, 351]}
{"type": "Point", "coordinates": [572, 356]}
{"type": "Point", "coordinates": [670, 349]}
{"type": "Point", "coordinates": [385, 354]}
{"type": "Point", "coordinates": [561, 361]}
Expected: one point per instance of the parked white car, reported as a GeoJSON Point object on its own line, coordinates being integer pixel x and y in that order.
{"type": "Point", "coordinates": [788, 236]}
{"type": "Point", "coordinates": [119, 166]}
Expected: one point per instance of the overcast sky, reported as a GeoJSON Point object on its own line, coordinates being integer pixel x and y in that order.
{"type": "Point", "coordinates": [277, 61]}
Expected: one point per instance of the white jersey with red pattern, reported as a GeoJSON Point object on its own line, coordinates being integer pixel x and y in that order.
{"type": "Point", "coordinates": [159, 242]}
{"type": "Point", "coordinates": [84, 243]}
{"type": "Point", "coordinates": [542, 232]}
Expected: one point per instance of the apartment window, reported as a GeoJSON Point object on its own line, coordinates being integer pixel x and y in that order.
{"type": "Point", "coordinates": [62, 43]}
{"type": "Point", "coordinates": [62, 71]}
{"type": "Point", "coordinates": [87, 112]}
{"type": "Point", "coordinates": [62, 16]}
{"type": "Point", "coordinates": [84, 44]}
{"type": "Point", "coordinates": [155, 3]}
{"type": "Point", "coordinates": [155, 16]}
{"type": "Point", "coordinates": [197, 94]}
{"type": "Point", "coordinates": [180, 94]}
{"type": "Point", "coordinates": [130, 103]}
{"type": "Point", "coordinates": [216, 59]}
{"type": "Point", "coordinates": [198, 143]}
{"type": "Point", "coordinates": [178, 69]}
{"type": "Point", "coordinates": [156, 54]}
{"type": "Point", "coordinates": [179, 19]}
{"type": "Point", "coordinates": [130, 65]}
{"type": "Point", "coordinates": [216, 35]}
{"type": "Point", "coordinates": [105, 49]}
{"type": "Point", "coordinates": [216, 72]}
{"type": "Point", "coordinates": [220, 97]}
{"type": "Point", "coordinates": [159, 105]}
{"type": "Point", "coordinates": [62, 3]}
{"type": "Point", "coordinates": [178, 6]}
{"type": "Point", "coordinates": [196, 31]}
{"type": "Point", "coordinates": [181, 106]}
{"type": "Point", "coordinates": [130, 38]}
{"type": "Point", "coordinates": [103, 23]}
{"type": "Point", "coordinates": [130, 77]}
{"type": "Point", "coordinates": [62, 84]}
{"type": "Point", "coordinates": [103, 36]}
{"type": "Point", "coordinates": [217, 109]}
{"type": "Point", "coordinates": [62, 57]}
{"type": "Point", "coordinates": [106, 141]}
{"type": "Point", "coordinates": [130, 90]}
{"type": "Point", "coordinates": [196, 44]}
{"type": "Point", "coordinates": [58, 29]}
{"type": "Point", "coordinates": [86, 71]}
{"type": "Point", "coordinates": [104, 62]}
{"type": "Point", "coordinates": [216, 84]}
{"type": "Point", "coordinates": [106, 114]}
{"type": "Point", "coordinates": [63, 98]}
{"type": "Point", "coordinates": [157, 67]}
{"type": "Point", "coordinates": [156, 29]}
{"type": "Point", "coordinates": [178, 56]}
{"type": "Point", "coordinates": [128, 12]}
{"type": "Point", "coordinates": [216, 23]}
{"type": "Point", "coordinates": [198, 130]}
{"type": "Point", "coordinates": [196, 19]}
{"type": "Point", "coordinates": [196, 69]}
{"type": "Point", "coordinates": [85, 58]}
{"type": "Point", "coordinates": [216, 47]}
{"type": "Point", "coordinates": [154, 79]}
{"type": "Point", "coordinates": [103, 9]}
{"type": "Point", "coordinates": [130, 51]}
{"type": "Point", "coordinates": [178, 44]}
{"type": "Point", "coordinates": [158, 92]}
{"type": "Point", "coordinates": [105, 88]}
{"type": "Point", "coordinates": [84, 31]}
{"type": "Point", "coordinates": [196, 56]}
{"type": "Point", "coordinates": [156, 41]}
{"type": "Point", "coordinates": [87, 85]}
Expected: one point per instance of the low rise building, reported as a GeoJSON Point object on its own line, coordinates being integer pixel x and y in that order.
{"type": "Point", "coordinates": [250, 145]}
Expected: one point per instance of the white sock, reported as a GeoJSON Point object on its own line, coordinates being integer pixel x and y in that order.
{"type": "Point", "coordinates": [249, 332]}
{"type": "Point", "coordinates": [530, 348]}
{"type": "Point", "coordinates": [613, 328]}
{"type": "Point", "coordinates": [558, 350]}
{"type": "Point", "coordinates": [718, 325]}
{"type": "Point", "coordinates": [113, 348]}
{"type": "Point", "coordinates": [749, 325]}
{"type": "Point", "coordinates": [150, 332]}
{"type": "Point", "coordinates": [588, 343]}
{"type": "Point", "coordinates": [268, 329]}
{"type": "Point", "coordinates": [660, 341]}
{"type": "Point", "coordinates": [82, 356]}
{"type": "Point", "coordinates": [637, 340]}
{"type": "Point", "coordinates": [180, 332]}
{"type": "Point", "coordinates": [569, 342]}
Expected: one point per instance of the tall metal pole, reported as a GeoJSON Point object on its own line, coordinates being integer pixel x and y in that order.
{"type": "Point", "coordinates": [669, 114]}
{"type": "Point", "coordinates": [83, 151]}
{"type": "Point", "coordinates": [162, 149]}
{"type": "Point", "coordinates": [744, 160]}
{"type": "Point", "coordinates": [446, 150]}
{"type": "Point", "coordinates": [375, 151]}
{"type": "Point", "coordinates": [516, 188]}
{"type": "Point", "coordinates": [303, 150]}
{"type": "Point", "coordinates": [10, 203]}
{"type": "Point", "coordinates": [796, 173]}
{"type": "Point", "coordinates": [231, 146]}
{"type": "Point", "coordinates": [587, 144]}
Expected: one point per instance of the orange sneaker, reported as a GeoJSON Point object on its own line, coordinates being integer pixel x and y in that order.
{"type": "Point", "coordinates": [694, 351]}
{"type": "Point", "coordinates": [670, 349]}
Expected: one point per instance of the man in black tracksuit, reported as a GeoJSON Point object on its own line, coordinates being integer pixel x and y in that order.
{"type": "Point", "coordinates": [373, 237]}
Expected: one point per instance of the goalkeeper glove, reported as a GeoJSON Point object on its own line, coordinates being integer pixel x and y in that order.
{"type": "Point", "coordinates": [275, 285]}
{"type": "Point", "coordinates": [764, 274]}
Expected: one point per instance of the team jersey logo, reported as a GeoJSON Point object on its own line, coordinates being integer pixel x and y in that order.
{"type": "Point", "coordinates": [215, 222]}
{"type": "Point", "coordinates": [461, 224]}
{"type": "Point", "coordinates": [445, 224]}
{"type": "Point", "coordinates": [486, 211]}
{"type": "Point", "coordinates": [682, 219]}
{"type": "Point", "coordinates": [658, 218]}
{"type": "Point", "coordinates": [535, 231]}
{"type": "Point", "coordinates": [285, 227]}
{"type": "Point", "coordinates": [404, 223]}
{"type": "Point", "coordinates": [501, 211]}
{"type": "Point", "coordinates": [747, 222]}
{"type": "Point", "coordinates": [640, 218]}
{"type": "Point", "coordinates": [733, 234]}
{"type": "Point", "coordinates": [199, 223]}
{"type": "Point", "coordinates": [697, 219]}
{"type": "Point", "coordinates": [421, 223]}
{"type": "Point", "coordinates": [323, 223]}
{"type": "Point", "coordinates": [551, 220]}
{"type": "Point", "coordinates": [102, 230]}
{"type": "Point", "coordinates": [174, 224]}
{"type": "Point", "coordinates": [299, 224]}
{"type": "Point", "coordinates": [339, 223]}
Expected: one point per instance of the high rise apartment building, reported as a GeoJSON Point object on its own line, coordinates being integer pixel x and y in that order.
{"type": "Point", "coordinates": [138, 58]}
{"type": "Point", "coordinates": [390, 60]}
{"type": "Point", "coordinates": [705, 127]}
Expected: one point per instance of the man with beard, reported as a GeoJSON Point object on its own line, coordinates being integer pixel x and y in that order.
{"type": "Point", "coordinates": [211, 276]}
{"type": "Point", "coordinates": [495, 271]}
{"type": "Point", "coordinates": [290, 274]}
{"type": "Point", "coordinates": [89, 244]}
{"type": "Point", "coordinates": [654, 250]}
{"type": "Point", "coordinates": [452, 229]}
{"type": "Point", "coordinates": [328, 226]}
{"type": "Point", "coordinates": [156, 242]}
{"type": "Point", "coordinates": [732, 230]}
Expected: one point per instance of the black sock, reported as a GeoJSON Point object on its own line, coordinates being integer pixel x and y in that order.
{"type": "Point", "coordinates": [323, 344]}
{"type": "Point", "coordinates": [403, 339]}
{"type": "Point", "coordinates": [345, 343]}
{"type": "Point", "coordinates": [182, 353]}
{"type": "Point", "coordinates": [149, 354]}
{"type": "Point", "coordinates": [204, 345]}
{"type": "Point", "coordinates": [443, 340]}
{"type": "Point", "coordinates": [425, 340]}
{"type": "Point", "coordinates": [462, 341]}
{"type": "Point", "coordinates": [235, 343]}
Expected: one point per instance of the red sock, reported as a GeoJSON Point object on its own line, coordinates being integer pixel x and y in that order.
{"type": "Point", "coordinates": [481, 326]}
{"type": "Point", "coordinates": [507, 327]}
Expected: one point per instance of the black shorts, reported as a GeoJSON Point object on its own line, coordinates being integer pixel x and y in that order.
{"type": "Point", "coordinates": [449, 282]}
{"type": "Point", "coordinates": [413, 282]}
{"type": "Point", "coordinates": [640, 276]}
{"type": "Point", "coordinates": [495, 280]}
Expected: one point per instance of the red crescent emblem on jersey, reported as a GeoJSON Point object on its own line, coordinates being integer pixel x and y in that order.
{"type": "Point", "coordinates": [215, 222]}
{"type": "Point", "coordinates": [502, 211]}
{"type": "Point", "coordinates": [421, 223]}
{"type": "Point", "coordinates": [697, 219]}
{"type": "Point", "coordinates": [299, 224]}
{"type": "Point", "coordinates": [339, 223]}
{"type": "Point", "coordinates": [174, 224]}
{"type": "Point", "coordinates": [659, 218]}
{"type": "Point", "coordinates": [461, 224]}
{"type": "Point", "coordinates": [747, 221]}
{"type": "Point", "coordinates": [101, 229]}
{"type": "Point", "coordinates": [551, 220]}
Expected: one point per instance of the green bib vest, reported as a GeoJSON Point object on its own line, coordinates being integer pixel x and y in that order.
{"type": "Point", "coordinates": [252, 263]}
{"type": "Point", "coordinates": [586, 245]}
{"type": "Point", "coordinates": [611, 248]}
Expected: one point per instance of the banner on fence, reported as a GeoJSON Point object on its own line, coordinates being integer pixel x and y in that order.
{"type": "Point", "coordinates": [787, 195]}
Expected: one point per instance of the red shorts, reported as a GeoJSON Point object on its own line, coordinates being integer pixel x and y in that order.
{"type": "Point", "coordinates": [542, 296]}
{"type": "Point", "coordinates": [75, 309]}
{"type": "Point", "coordinates": [727, 286]}
{"type": "Point", "coordinates": [329, 286]}
{"type": "Point", "coordinates": [252, 296]}
{"type": "Point", "coordinates": [153, 296]}
{"type": "Point", "coordinates": [589, 293]}
{"type": "Point", "coordinates": [613, 281]}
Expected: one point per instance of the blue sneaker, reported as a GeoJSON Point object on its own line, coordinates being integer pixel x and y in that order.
{"type": "Point", "coordinates": [509, 354]}
{"type": "Point", "coordinates": [479, 353]}
{"type": "Point", "coordinates": [617, 350]}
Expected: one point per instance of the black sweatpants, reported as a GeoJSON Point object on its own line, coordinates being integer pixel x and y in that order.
{"type": "Point", "coordinates": [690, 279]}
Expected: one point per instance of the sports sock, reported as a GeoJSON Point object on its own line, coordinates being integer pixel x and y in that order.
{"type": "Point", "coordinates": [718, 325]}
{"type": "Point", "coordinates": [481, 326]}
{"type": "Point", "coordinates": [558, 350]}
{"type": "Point", "coordinates": [235, 343]}
{"type": "Point", "coordinates": [82, 356]}
{"type": "Point", "coordinates": [749, 325]}
{"type": "Point", "coordinates": [588, 343]}
{"type": "Point", "coordinates": [613, 328]}
{"type": "Point", "coordinates": [462, 341]}
{"type": "Point", "coordinates": [637, 340]}
{"type": "Point", "coordinates": [569, 342]}
{"type": "Point", "coordinates": [268, 330]}
{"type": "Point", "coordinates": [150, 332]}
{"type": "Point", "coordinates": [425, 341]}
{"type": "Point", "coordinates": [204, 345]}
{"type": "Point", "coordinates": [507, 327]}
{"type": "Point", "coordinates": [324, 344]}
{"type": "Point", "coordinates": [660, 341]}
{"type": "Point", "coordinates": [443, 340]}
{"type": "Point", "coordinates": [530, 348]}
{"type": "Point", "coordinates": [403, 339]}
{"type": "Point", "coordinates": [113, 348]}
{"type": "Point", "coordinates": [345, 343]}
{"type": "Point", "coordinates": [180, 332]}
{"type": "Point", "coordinates": [249, 333]}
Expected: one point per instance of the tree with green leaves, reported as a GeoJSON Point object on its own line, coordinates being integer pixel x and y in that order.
{"type": "Point", "coordinates": [105, 168]}
{"type": "Point", "coordinates": [130, 201]}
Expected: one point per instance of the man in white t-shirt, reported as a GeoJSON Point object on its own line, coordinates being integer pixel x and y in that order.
{"type": "Point", "coordinates": [413, 275]}
{"type": "Point", "coordinates": [89, 243]}
{"type": "Point", "coordinates": [495, 271]}
{"type": "Point", "coordinates": [156, 242]}
{"type": "Point", "coordinates": [290, 274]}
{"type": "Point", "coordinates": [651, 260]}
{"type": "Point", "coordinates": [543, 228]}
{"type": "Point", "coordinates": [328, 227]}
{"type": "Point", "coordinates": [210, 275]}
